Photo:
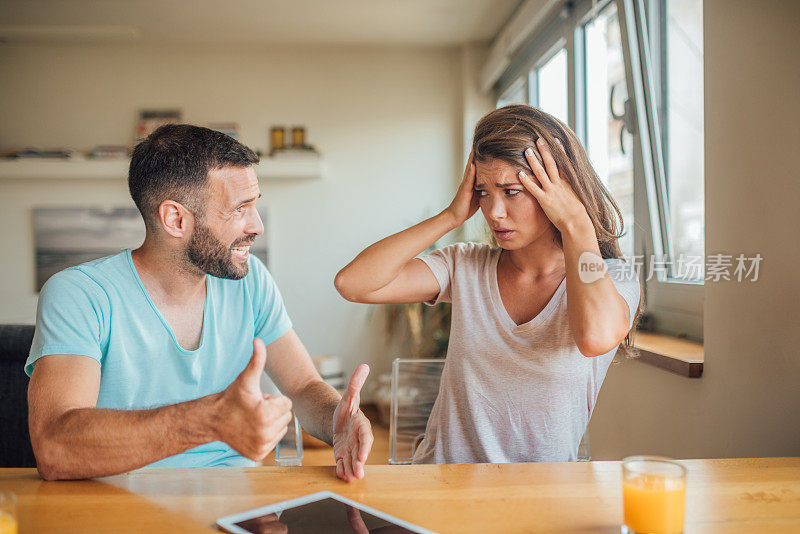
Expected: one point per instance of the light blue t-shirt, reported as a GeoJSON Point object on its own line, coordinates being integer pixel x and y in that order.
{"type": "Point", "coordinates": [101, 309]}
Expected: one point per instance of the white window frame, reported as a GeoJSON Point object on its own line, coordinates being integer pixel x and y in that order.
{"type": "Point", "coordinates": [676, 306]}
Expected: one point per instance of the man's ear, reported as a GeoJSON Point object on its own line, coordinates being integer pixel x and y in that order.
{"type": "Point", "coordinates": [175, 219]}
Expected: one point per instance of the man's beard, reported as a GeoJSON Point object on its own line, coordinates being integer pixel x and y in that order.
{"type": "Point", "coordinates": [211, 256]}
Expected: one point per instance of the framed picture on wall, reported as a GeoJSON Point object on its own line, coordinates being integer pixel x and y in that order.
{"type": "Point", "coordinates": [151, 119]}
{"type": "Point", "coordinates": [65, 237]}
{"type": "Point", "coordinates": [68, 236]}
{"type": "Point", "coordinates": [260, 248]}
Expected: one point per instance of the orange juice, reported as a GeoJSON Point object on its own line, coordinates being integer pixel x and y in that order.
{"type": "Point", "coordinates": [654, 504]}
{"type": "Point", "coordinates": [8, 523]}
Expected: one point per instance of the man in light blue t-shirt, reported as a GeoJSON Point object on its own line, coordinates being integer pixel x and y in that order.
{"type": "Point", "coordinates": [154, 356]}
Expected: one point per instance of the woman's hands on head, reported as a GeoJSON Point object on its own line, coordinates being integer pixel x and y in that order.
{"type": "Point", "coordinates": [554, 194]}
{"type": "Point", "coordinates": [465, 203]}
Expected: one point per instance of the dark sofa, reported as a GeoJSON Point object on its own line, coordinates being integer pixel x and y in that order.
{"type": "Point", "coordinates": [15, 441]}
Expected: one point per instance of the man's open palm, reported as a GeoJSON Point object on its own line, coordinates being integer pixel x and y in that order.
{"type": "Point", "coordinates": [352, 432]}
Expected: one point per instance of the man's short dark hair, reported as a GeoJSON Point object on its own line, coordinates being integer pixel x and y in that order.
{"type": "Point", "coordinates": [173, 164]}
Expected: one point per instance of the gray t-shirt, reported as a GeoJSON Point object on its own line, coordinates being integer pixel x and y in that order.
{"type": "Point", "coordinates": [510, 393]}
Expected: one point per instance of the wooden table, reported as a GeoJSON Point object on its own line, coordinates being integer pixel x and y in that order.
{"type": "Point", "coordinates": [730, 496]}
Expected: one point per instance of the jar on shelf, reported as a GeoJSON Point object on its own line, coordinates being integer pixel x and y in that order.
{"type": "Point", "coordinates": [277, 136]}
{"type": "Point", "coordinates": [298, 136]}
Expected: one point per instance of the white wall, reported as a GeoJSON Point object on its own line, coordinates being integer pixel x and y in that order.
{"type": "Point", "coordinates": [748, 401]}
{"type": "Point", "coordinates": [388, 121]}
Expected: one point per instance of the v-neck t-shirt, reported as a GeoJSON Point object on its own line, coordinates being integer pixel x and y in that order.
{"type": "Point", "coordinates": [510, 393]}
{"type": "Point", "coordinates": [101, 310]}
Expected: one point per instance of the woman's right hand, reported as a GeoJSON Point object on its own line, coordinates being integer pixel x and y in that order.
{"type": "Point", "coordinates": [465, 203]}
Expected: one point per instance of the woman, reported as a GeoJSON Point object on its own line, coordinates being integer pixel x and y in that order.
{"type": "Point", "coordinates": [536, 320]}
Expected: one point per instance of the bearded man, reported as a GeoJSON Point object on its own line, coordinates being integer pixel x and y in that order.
{"type": "Point", "coordinates": [153, 356]}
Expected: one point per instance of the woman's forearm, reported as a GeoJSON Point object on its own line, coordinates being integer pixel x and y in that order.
{"type": "Point", "coordinates": [598, 315]}
{"type": "Point", "coordinates": [379, 264]}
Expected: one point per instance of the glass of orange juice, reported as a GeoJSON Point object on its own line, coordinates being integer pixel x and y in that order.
{"type": "Point", "coordinates": [8, 513]}
{"type": "Point", "coordinates": [653, 495]}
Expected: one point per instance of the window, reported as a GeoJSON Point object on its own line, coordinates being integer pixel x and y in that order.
{"type": "Point", "coordinates": [682, 117]}
{"type": "Point", "coordinates": [627, 76]}
{"type": "Point", "coordinates": [608, 143]}
{"type": "Point", "coordinates": [551, 86]}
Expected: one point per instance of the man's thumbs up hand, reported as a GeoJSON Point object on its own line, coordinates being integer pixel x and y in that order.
{"type": "Point", "coordinates": [247, 420]}
{"type": "Point", "coordinates": [250, 378]}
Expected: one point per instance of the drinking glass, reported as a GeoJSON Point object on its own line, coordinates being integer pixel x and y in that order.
{"type": "Point", "coordinates": [653, 495]}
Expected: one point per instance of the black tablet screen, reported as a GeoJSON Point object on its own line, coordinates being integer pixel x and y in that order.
{"type": "Point", "coordinates": [326, 515]}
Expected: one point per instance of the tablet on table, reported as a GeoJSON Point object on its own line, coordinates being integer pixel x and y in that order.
{"type": "Point", "coordinates": [324, 511]}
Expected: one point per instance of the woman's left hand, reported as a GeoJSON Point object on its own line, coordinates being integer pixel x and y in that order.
{"type": "Point", "coordinates": [554, 194]}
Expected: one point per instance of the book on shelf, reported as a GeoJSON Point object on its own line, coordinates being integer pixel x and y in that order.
{"type": "Point", "coordinates": [109, 152]}
{"type": "Point", "coordinates": [36, 153]}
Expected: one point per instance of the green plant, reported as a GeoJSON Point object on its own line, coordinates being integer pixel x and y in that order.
{"type": "Point", "coordinates": [425, 330]}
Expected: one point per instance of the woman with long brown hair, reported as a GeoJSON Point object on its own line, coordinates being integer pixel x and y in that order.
{"type": "Point", "coordinates": [537, 319]}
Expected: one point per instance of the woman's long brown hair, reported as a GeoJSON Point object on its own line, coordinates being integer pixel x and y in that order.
{"type": "Point", "coordinates": [506, 132]}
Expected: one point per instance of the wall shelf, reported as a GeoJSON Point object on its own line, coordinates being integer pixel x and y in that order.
{"type": "Point", "coordinates": [673, 354]}
{"type": "Point", "coordinates": [80, 168]}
